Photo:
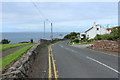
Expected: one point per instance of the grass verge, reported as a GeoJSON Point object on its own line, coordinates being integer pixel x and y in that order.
{"type": "Point", "coordinates": [48, 43]}
{"type": "Point", "coordinates": [5, 61]}
{"type": "Point", "coordinates": [5, 47]}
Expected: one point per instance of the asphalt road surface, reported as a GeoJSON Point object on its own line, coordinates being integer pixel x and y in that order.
{"type": "Point", "coordinates": [72, 62]}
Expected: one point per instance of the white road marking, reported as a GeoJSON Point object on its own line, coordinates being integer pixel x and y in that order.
{"type": "Point", "coordinates": [103, 64]}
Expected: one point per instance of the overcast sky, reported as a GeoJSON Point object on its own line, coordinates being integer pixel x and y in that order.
{"type": "Point", "coordinates": [65, 16]}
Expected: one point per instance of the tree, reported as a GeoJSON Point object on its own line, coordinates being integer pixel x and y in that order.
{"type": "Point", "coordinates": [5, 41]}
{"type": "Point", "coordinates": [67, 36]}
{"type": "Point", "coordinates": [71, 35]}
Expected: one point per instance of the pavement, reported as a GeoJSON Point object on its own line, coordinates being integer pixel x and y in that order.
{"type": "Point", "coordinates": [73, 62]}
{"type": "Point", "coordinates": [39, 68]}
{"type": "Point", "coordinates": [11, 50]}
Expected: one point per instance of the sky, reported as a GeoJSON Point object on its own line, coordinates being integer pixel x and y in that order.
{"type": "Point", "coordinates": [65, 16]}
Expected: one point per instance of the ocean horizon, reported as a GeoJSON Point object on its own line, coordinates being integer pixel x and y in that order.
{"type": "Point", "coordinates": [16, 37]}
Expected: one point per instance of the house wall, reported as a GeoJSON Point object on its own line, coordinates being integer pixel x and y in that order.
{"type": "Point", "coordinates": [93, 32]}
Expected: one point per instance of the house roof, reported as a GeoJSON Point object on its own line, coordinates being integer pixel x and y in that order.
{"type": "Point", "coordinates": [92, 27]}
{"type": "Point", "coordinates": [109, 29]}
{"type": "Point", "coordinates": [88, 29]}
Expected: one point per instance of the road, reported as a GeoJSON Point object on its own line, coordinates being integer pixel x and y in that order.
{"type": "Point", "coordinates": [72, 62]}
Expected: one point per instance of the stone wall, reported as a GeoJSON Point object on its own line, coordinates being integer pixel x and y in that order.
{"type": "Point", "coordinates": [42, 41]}
{"type": "Point", "coordinates": [107, 45]}
{"type": "Point", "coordinates": [22, 67]}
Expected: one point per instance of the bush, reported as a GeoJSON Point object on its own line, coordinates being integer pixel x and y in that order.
{"type": "Point", "coordinates": [67, 36]}
{"type": "Point", "coordinates": [99, 38]}
{"type": "Point", "coordinates": [105, 37]}
{"type": "Point", "coordinates": [116, 32]}
{"type": "Point", "coordinates": [71, 35]}
{"type": "Point", "coordinates": [5, 41]}
{"type": "Point", "coordinates": [76, 40]}
{"type": "Point", "coordinates": [110, 38]}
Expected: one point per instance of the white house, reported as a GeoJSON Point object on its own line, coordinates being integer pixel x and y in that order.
{"type": "Point", "coordinates": [97, 29]}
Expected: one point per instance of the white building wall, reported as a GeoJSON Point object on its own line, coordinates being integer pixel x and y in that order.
{"type": "Point", "coordinates": [91, 34]}
{"type": "Point", "coordinates": [97, 29]}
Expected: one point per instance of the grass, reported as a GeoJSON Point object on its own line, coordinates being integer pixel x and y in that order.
{"type": "Point", "coordinates": [48, 43]}
{"type": "Point", "coordinates": [5, 61]}
{"type": "Point", "coordinates": [4, 47]}
{"type": "Point", "coordinates": [45, 44]}
{"type": "Point", "coordinates": [85, 42]}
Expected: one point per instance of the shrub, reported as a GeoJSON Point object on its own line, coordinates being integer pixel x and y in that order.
{"type": "Point", "coordinates": [105, 37]}
{"type": "Point", "coordinates": [67, 36]}
{"type": "Point", "coordinates": [71, 35]}
{"type": "Point", "coordinates": [5, 41]}
{"type": "Point", "coordinates": [76, 40]}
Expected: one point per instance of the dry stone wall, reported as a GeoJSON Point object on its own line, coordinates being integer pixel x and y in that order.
{"type": "Point", "coordinates": [107, 45]}
{"type": "Point", "coordinates": [22, 67]}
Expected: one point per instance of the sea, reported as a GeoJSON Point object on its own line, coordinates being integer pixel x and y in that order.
{"type": "Point", "coordinates": [16, 37]}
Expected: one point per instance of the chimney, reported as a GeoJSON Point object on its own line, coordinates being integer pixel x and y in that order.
{"type": "Point", "coordinates": [94, 24]}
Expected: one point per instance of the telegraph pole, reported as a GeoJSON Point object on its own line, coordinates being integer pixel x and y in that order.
{"type": "Point", "coordinates": [44, 29]}
{"type": "Point", "coordinates": [51, 31]}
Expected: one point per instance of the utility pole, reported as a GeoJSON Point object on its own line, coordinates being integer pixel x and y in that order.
{"type": "Point", "coordinates": [51, 31]}
{"type": "Point", "coordinates": [44, 29]}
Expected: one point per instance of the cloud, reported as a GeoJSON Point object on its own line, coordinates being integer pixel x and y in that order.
{"type": "Point", "coordinates": [66, 16]}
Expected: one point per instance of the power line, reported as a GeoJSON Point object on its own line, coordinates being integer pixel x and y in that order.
{"type": "Point", "coordinates": [45, 19]}
{"type": "Point", "coordinates": [35, 5]}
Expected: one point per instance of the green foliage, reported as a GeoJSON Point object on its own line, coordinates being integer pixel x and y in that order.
{"type": "Point", "coordinates": [76, 40]}
{"type": "Point", "coordinates": [45, 44]}
{"type": "Point", "coordinates": [114, 35]}
{"type": "Point", "coordinates": [5, 41]}
{"type": "Point", "coordinates": [71, 35]}
{"type": "Point", "coordinates": [5, 61]}
{"type": "Point", "coordinates": [103, 37]}
{"type": "Point", "coordinates": [85, 42]}
{"type": "Point", "coordinates": [8, 46]}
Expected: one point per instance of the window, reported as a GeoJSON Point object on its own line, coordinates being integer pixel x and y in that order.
{"type": "Point", "coordinates": [97, 28]}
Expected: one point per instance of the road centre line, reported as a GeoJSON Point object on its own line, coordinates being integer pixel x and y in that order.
{"type": "Point", "coordinates": [51, 61]}
{"type": "Point", "coordinates": [54, 66]}
{"type": "Point", "coordinates": [49, 64]}
{"type": "Point", "coordinates": [103, 64]}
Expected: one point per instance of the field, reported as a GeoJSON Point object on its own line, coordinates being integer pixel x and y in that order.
{"type": "Point", "coordinates": [4, 62]}
{"type": "Point", "coordinates": [4, 47]}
